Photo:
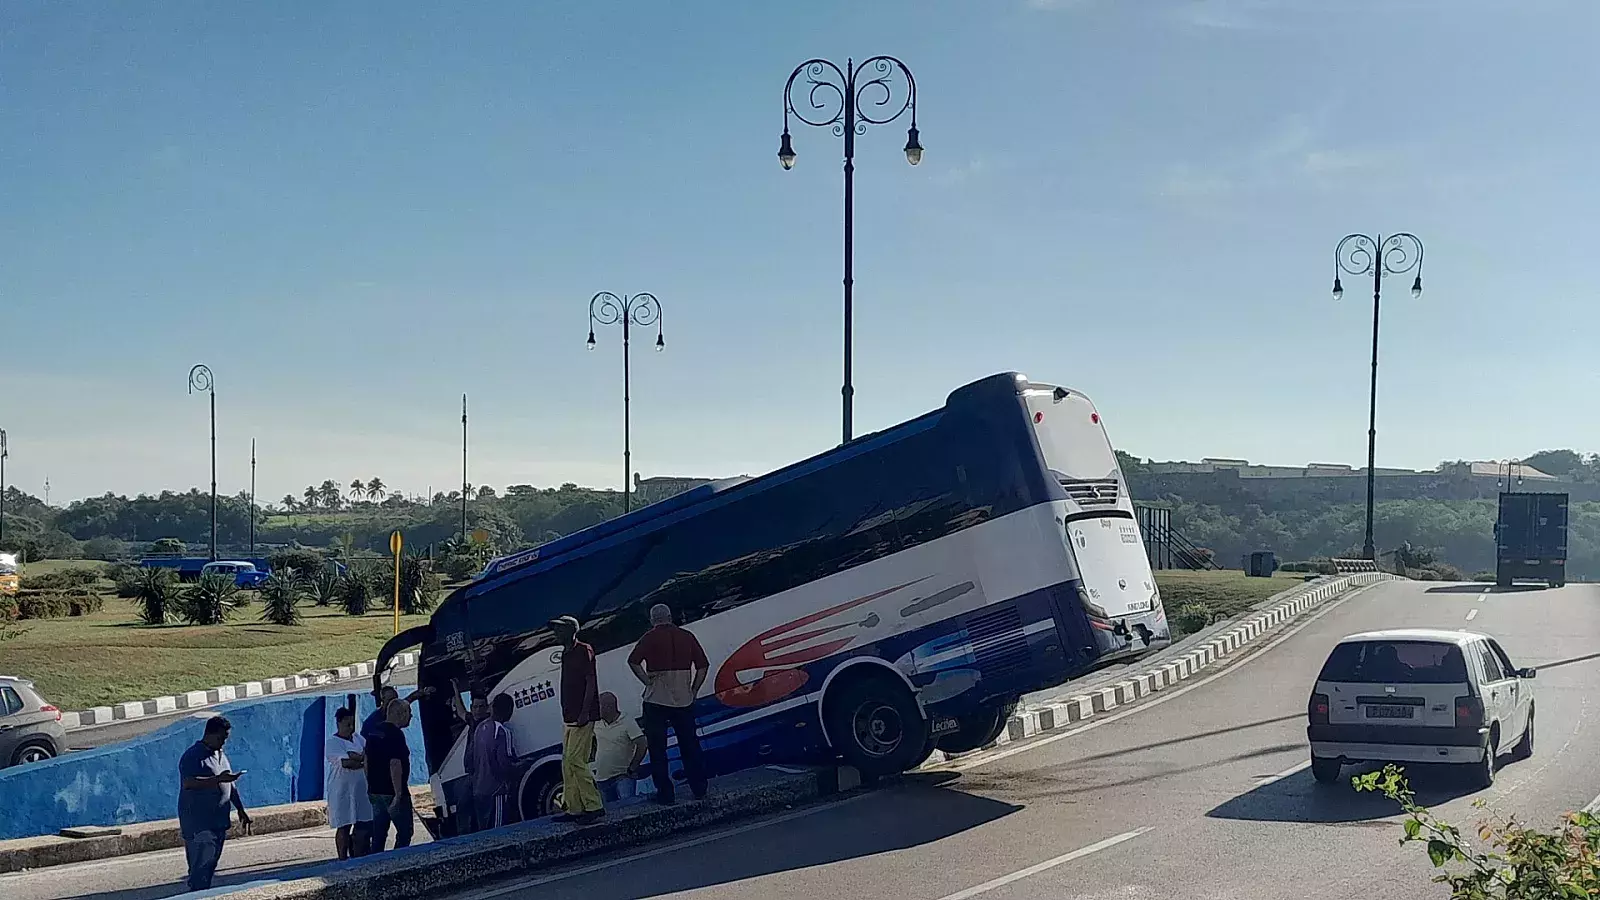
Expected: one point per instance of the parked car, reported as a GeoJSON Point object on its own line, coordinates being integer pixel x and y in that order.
{"type": "Point", "coordinates": [30, 728]}
{"type": "Point", "coordinates": [1420, 696]}
{"type": "Point", "coordinates": [245, 574]}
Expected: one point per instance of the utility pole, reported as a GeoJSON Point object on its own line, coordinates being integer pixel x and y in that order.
{"type": "Point", "coordinates": [252, 498]}
{"type": "Point", "coordinates": [464, 484]}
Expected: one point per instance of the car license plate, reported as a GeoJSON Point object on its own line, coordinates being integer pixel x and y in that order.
{"type": "Point", "coordinates": [1390, 712]}
{"type": "Point", "coordinates": [943, 725]}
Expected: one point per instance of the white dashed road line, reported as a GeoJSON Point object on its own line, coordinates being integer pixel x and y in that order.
{"type": "Point", "coordinates": [1472, 614]}
{"type": "Point", "coordinates": [1020, 874]}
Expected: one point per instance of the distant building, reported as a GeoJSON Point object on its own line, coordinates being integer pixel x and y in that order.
{"type": "Point", "coordinates": [1245, 469]}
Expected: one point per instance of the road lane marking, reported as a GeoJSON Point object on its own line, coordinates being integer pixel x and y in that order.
{"type": "Point", "coordinates": [1263, 782]}
{"type": "Point", "coordinates": [665, 848]}
{"type": "Point", "coordinates": [1472, 614]}
{"type": "Point", "coordinates": [1097, 721]}
{"type": "Point", "coordinates": [1020, 874]}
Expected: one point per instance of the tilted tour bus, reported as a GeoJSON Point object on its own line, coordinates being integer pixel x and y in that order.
{"type": "Point", "coordinates": [895, 594]}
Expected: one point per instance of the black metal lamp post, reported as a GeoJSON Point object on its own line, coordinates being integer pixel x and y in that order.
{"type": "Point", "coordinates": [847, 101]}
{"type": "Point", "coordinates": [1358, 254]}
{"type": "Point", "coordinates": [643, 310]}
{"type": "Point", "coordinates": [252, 498]}
{"type": "Point", "coordinates": [1503, 480]}
{"type": "Point", "coordinates": [200, 380]}
{"type": "Point", "coordinates": [4, 452]}
{"type": "Point", "coordinates": [465, 485]}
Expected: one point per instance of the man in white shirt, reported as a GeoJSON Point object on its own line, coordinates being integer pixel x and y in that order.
{"type": "Point", "coordinates": [619, 748]}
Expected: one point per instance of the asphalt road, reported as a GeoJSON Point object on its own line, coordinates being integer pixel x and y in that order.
{"type": "Point", "coordinates": [1201, 792]}
{"type": "Point", "coordinates": [99, 736]}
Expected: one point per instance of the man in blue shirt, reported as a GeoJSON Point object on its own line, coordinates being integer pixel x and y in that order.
{"type": "Point", "coordinates": [205, 796]}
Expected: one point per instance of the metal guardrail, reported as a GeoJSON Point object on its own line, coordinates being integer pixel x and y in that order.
{"type": "Point", "coordinates": [1353, 566]}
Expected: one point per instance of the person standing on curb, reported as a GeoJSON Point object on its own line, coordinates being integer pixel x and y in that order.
{"type": "Point", "coordinates": [386, 696]}
{"type": "Point", "coordinates": [467, 812]}
{"type": "Point", "coordinates": [672, 666]}
{"type": "Point", "coordinates": [389, 778]}
{"type": "Point", "coordinates": [580, 707]}
{"type": "Point", "coordinates": [205, 795]}
{"type": "Point", "coordinates": [348, 806]}
{"type": "Point", "coordinates": [619, 749]}
{"type": "Point", "coordinates": [491, 758]}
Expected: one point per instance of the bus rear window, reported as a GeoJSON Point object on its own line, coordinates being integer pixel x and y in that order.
{"type": "Point", "coordinates": [1395, 662]}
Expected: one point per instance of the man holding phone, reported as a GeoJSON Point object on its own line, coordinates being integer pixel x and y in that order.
{"type": "Point", "coordinates": [206, 797]}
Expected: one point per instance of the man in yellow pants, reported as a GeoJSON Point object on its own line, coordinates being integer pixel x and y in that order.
{"type": "Point", "coordinates": [580, 708]}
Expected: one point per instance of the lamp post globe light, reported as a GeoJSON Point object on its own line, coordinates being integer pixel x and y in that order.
{"type": "Point", "coordinates": [1361, 255]}
{"type": "Point", "coordinates": [642, 310]}
{"type": "Point", "coordinates": [847, 100]}
{"type": "Point", "coordinates": [200, 380]}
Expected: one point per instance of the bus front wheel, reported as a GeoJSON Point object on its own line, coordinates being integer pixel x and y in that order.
{"type": "Point", "coordinates": [874, 723]}
{"type": "Point", "coordinates": [541, 793]}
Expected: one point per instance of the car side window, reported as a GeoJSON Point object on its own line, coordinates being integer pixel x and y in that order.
{"type": "Point", "coordinates": [1505, 660]}
{"type": "Point", "coordinates": [10, 702]}
{"type": "Point", "coordinates": [1491, 666]}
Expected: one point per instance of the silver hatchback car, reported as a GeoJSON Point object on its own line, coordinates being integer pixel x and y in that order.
{"type": "Point", "coordinates": [30, 728]}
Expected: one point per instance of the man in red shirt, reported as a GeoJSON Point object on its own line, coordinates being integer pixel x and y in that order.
{"type": "Point", "coordinates": [580, 707]}
{"type": "Point", "coordinates": [672, 666]}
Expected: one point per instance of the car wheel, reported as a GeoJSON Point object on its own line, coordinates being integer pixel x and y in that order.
{"type": "Point", "coordinates": [1524, 748]}
{"type": "Point", "coordinates": [875, 724]}
{"type": "Point", "coordinates": [1325, 771]}
{"type": "Point", "coordinates": [1483, 771]}
{"type": "Point", "coordinates": [32, 752]}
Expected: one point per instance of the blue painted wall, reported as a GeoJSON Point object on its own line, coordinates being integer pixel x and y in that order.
{"type": "Point", "coordinates": [278, 740]}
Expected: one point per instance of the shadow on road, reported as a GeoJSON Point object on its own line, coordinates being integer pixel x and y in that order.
{"type": "Point", "coordinates": [919, 809]}
{"type": "Point", "coordinates": [176, 886]}
{"type": "Point", "coordinates": [1299, 798]}
{"type": "Point", "coordinates": [1478, 588]}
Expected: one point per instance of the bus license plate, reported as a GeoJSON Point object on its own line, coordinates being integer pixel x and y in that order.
{"type": "Point", "coordinates": [943, 725]}
{"type": "Point", "coordinates": [1390, 712]}
{"type": "Point", "coordinates": [1139, 606]}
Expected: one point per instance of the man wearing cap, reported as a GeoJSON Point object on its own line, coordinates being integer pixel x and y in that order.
{"type": "Point", "coordinates": [580, 707]}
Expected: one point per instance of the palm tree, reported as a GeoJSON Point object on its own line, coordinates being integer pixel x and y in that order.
{"type": "Point", "coordinates": [329, 494]}
{"type": "Point", "coordinates": [313, 497]}
{"type": "Point", "coordinates": [289, 503]}
{"type": "Point", "coordinates": [375, 489]}
{"type": "Point", "coordinates": [358, 489]}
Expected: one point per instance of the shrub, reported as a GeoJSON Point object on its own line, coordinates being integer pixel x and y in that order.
{"type": "Point", "coordinates": [322, 586]}
{"type": "Point", "coordinates": [168, 545]}
{"type": "Point", "coordinates": [1521, 863]}
{"type": "Point", "coordinates": [460, 566]}
{"type": "Point", "coordinates": [32, 605]}
{"type": "Point", "coordinates": [8, 608]}
{"type": "Point", "coordinates": [66, 579]}
{"type": "Point", "coordinates": [208, 601]}
{"type": "Point", "coordinates": [280, 599]}
{"type": "Point", "coordinates": [419, 586]}
{"type": "Point", "coordinates": [103, 548]}
{"type": "Point", "coordinates": [304, 562]}
{"type": "Point", "coordinates": [355, 593]}
{"type": "Point", "coordinates": [85, 603]}
{"type": "Point", "coordinates": [156, 593]}
{"type": "Point", "coordinates": [1192, 617]}
{"type": "Point", "coordinates": [1484, 576]}
{"type": "Point", "coordinates": [126, 578]}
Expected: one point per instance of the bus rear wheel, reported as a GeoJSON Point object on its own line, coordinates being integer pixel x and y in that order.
{"type": "Point", "coordinates": [978, 729]}
{"type": "Point", "coordinates": [541, 793]}
{"type": "Point", "coordinates": [875, 724]}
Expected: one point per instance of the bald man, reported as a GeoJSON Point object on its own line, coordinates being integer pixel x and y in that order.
{"type": "Point", "coordinates": [672, 666]}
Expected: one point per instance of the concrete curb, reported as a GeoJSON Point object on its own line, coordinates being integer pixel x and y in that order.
{"type": "Point", "coordinates": [1166, 671]}
{"type": "Point", "coordinates": [155, 706]}
{"type": "Point", "coordinates": [433, 869]}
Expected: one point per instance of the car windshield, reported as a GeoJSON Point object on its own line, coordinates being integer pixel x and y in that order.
{"type": "Point", "coordinates": [1404, 662]}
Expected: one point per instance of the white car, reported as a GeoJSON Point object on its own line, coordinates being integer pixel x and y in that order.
{"type": "Point", "coordinates": [1419, 696]}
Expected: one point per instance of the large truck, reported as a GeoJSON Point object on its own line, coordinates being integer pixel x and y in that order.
{"type": "Point", "coordinates": [1531, 539]}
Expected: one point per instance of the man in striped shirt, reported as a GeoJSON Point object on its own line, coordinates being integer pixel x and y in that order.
{"type": "Point", "coordinates": [672, 666]}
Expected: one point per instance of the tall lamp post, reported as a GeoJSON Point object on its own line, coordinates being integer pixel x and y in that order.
{"type": "Point", "coordinates": [1358, 254]}
{"type": "Point", "coordinates": [464, 483]}
{"type": "Point", "coordinates": [1503, 481]}
{"type": "Point", "coordinates": [643, 310]}
{"type": "Point", "coordinates": [252, 498]}
{"type": "Point", "coordinates": [847, 100]}
{"type": "Point", "coordinates": [200, 380]}
{"type": "Point", "coordinates": [4, 452]}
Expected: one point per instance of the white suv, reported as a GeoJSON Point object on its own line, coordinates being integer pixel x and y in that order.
{"type": "Point", "coordinates": [1421, 696]}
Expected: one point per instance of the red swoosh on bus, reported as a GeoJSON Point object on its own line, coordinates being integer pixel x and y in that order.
{"type": "Point", "coordinates": [767, 651]}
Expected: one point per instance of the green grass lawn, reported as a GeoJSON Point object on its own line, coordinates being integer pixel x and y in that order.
{"type": "Point", "coordinates": [47, 566]}
{"type": "Point", "coordinates": [1228, 591]}
{"type": "Point", "coordinates": [110, 657]}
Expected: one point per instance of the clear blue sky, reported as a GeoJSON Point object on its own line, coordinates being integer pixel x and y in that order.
{"type": "Point", "coordinates": [355, 212]}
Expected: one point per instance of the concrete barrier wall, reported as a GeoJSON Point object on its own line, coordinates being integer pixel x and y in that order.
{"type": "Point", "coordinates": [277, 740]}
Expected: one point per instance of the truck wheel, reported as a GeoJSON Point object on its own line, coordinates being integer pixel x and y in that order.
{"type": "Point", "coordinates": [875, 724]}
{"type": "Point", "coordinates": [978, 729]}
{"type": "Point", "coordinates": [1501, 580]}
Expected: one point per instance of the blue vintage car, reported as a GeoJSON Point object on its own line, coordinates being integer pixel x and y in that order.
{"type": "Point", "coordinates": [245, 574]}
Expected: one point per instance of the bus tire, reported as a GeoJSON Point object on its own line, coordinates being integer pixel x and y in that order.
{"type": "Point", "coordinates": [541, 793]}
{"type": "Point", "coordinates": [875, 724]}
{"type": "Point", "coordinates": [979, 729]}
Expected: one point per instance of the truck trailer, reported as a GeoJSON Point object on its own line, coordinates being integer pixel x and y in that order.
{"type": "Point", "coordinates": [1531, 539]}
